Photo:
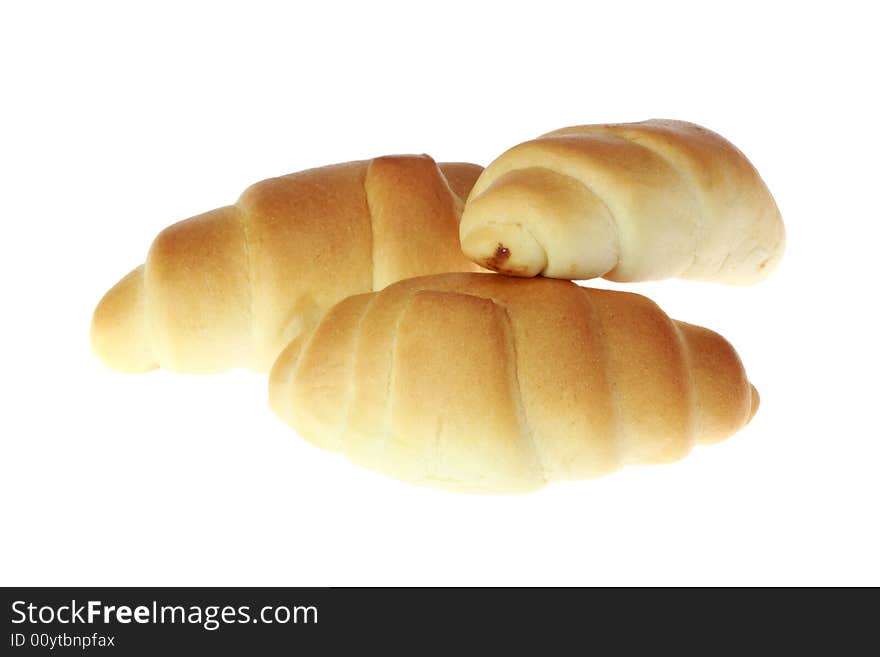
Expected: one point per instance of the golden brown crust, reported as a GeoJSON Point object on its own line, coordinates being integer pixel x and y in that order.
{"type": "Point", "coordinates": [310, 245]}
{"type": "Point", "coordinates": [399, 191]}
{"type": "Point", "coordinates": [724, 398]}
{"type": "Point", "coordinates": [232, 287]}
{"type": "Point", "coordinates": [461, 177]}
{"type": "Point", "coordinates": [492, 384]}
{"type": "Point", "coordinates": [197, 296]}
{"type": "Point", "coordinates": [633, 201]}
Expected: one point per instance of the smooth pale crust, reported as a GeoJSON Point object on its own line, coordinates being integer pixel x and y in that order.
{"type": "Point", "coordinates": [483, 383]}
{"type": "Point", "coordinates": [232, 287]}
{"type": "Point", "coordinates": [122, 313]}
{"type": "Point", "coordinates": [656, 199]}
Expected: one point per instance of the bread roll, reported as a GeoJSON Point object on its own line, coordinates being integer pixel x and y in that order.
{"type": "Point", "coordinates": [484, 383]}
{"type": "Point", "coordinates": [231, 287]}
{"type": "Point", "coordinates": [629, 202]}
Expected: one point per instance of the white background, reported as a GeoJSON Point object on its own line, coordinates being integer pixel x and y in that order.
{"type": "Point", "coordinates": [118, 121]}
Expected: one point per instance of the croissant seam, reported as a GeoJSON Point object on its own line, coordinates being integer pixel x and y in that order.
{"type": "Point", "coordinates": [620, 438]}
{"type": "Point", "coordinates": [458, 202]}
{"type": "Point", "coordinates": [543, 248]}
{"type": "Point", "coordinates": [372, 227]}
{"type": "Point", "coordinates": [699, 227]}
{"type": "Point", "coordinates": [300, 357]}
{"type": "Point", "coordinates": [352, 385]}
{"type": "Point", "coordinates": [694, 402]}
{"type": "Point", "coordinates": [148, 325]}
{"type": "Point", "coordinates": [392, 372]}
{"type": "Point", "coordinates": [591, 190]}
{"type": "Point", "coordinates": [521, 412]}
{"type": "Point", "coordinates": [249, 279]}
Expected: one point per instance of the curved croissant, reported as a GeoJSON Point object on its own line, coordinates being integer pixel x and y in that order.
{"type": "Point", "coordinates": [231, 287]}
{"type": "Point", "coordinates": [629, 202]}
{"type": "Point", "coordinates": [485, 383]}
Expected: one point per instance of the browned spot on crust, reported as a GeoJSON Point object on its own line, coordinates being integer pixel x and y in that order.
{"type": "Point", "coordinates": [496, 262]}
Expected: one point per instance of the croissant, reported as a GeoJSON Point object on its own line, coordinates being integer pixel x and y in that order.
{"type": "Point", "coordinates": [629, 202]}
{"type": "Point", "coordinates": [484, 383]}
{"type": "Point", "coordinates": [232, 287]}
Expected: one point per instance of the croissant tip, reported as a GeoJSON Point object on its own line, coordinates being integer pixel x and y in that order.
{"type": "Point", "coordinates": [756, 402]}
{"type": "Point", "coordinates": [118, 331]}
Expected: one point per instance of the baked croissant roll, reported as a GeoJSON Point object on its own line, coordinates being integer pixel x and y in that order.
{"type": "Point", "coordinates": [628, 202]}
{"type": "Point", "coordinates": [484, 383]}
{"type": "Point", "coordinates": [232, 287]}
